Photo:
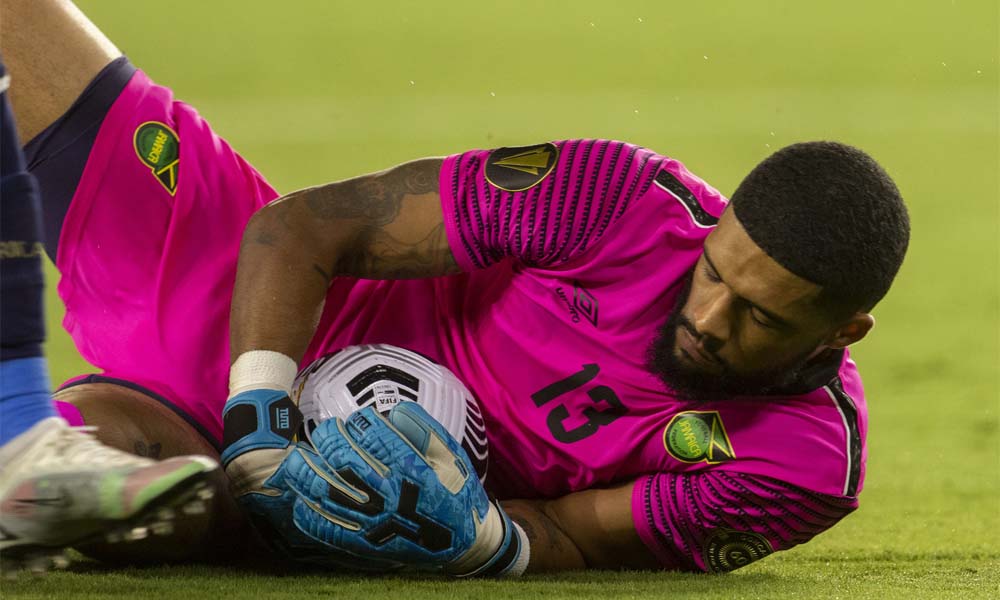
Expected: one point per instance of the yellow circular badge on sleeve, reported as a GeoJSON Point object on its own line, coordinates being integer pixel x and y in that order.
{"type": "Point", "coordinates": [727, 549]}
{"type": "Point", "coordinates": [521, 168]}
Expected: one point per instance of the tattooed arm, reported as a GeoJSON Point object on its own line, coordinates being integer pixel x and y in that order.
{"type": "Point", "coordinates": [386, 225]}
{"type": "Point", "coordinates": [589, 529]}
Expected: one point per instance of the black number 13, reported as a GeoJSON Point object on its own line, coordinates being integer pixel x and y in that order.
{"type": "Point", "coordinates": [595, 418]}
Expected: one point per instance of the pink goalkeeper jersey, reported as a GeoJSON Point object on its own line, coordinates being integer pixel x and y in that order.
{"type": "Point", "coordinates": [574, 251]}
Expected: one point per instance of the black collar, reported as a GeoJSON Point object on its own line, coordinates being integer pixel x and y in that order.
{"type": "Point", "coordinates": [818, 372]}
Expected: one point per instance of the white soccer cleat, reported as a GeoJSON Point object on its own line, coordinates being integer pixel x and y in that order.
{"type": "Point", "coordinates": [60, 487]}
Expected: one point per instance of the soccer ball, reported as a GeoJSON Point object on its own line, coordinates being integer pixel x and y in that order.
{"type": "Point", "coordinates": [382, 376]}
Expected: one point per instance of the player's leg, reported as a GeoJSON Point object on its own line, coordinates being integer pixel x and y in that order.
{"type": "Point", "coordinates": [55, 54]}
{"type": "Point", "coordinates": [24, 397]}
{"type": "Point", "coordinates": [65, 139]}
{"type": "Point", "coordinates": [134, 421]}
{"type": "Point", "coordinates": [68, 74]}
{"type": "Point", "coordinates": [58, 486]}
{"type": "Point", "coordinates": [53, 51]}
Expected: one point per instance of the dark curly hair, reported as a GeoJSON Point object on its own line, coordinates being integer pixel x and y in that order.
{"type": "Point", "coordinates": [830, 214]}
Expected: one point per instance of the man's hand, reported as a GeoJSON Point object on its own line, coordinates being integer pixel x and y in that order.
{"type": "Point", "coordinates": [400, 489]}
{"type": "Point", "coordinates": [260, 428]}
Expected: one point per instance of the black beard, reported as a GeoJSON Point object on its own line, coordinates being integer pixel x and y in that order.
{"type": "Point", "coordinates": [698, 387]}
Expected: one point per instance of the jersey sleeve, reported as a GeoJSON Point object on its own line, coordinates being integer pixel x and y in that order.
{"type": "Point", "coordinates": [718, 521]}
{"type": "Point", "coordinates": [542, 205]}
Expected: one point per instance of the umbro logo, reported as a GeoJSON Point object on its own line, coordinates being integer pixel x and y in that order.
{"type": "Point", "coordinates": [583, 306]}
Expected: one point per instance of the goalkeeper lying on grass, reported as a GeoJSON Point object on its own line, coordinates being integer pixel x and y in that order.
{"type": "Point", "coordinates": [663, 374]}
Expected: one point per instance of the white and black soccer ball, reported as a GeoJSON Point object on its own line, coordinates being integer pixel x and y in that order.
{"type": "Point", "coordinates": [382, 376]}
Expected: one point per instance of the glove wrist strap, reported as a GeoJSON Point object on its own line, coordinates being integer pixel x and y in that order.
{"type": "Point", "coordinates": [520, 564]}
{"type": "Point", "coordinates": [258, 420]}
{"type": "Point", "coordinates": [511, 557]}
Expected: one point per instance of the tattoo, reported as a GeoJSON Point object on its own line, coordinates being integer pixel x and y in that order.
{"type": "Point", "coordinates": [376, 198]}
{"type": "Point", "coordinates": [271, 232]}
{"type": "Point", "coordinates": [151, 451]}
{"type": "Point", "coordinates": [386, 256]}
{"type": "Point", "coordinates": [380, 226]}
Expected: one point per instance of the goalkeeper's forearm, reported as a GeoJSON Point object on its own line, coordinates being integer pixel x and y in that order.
{"type": "Point", "coordinates": [279, 292]}
{"type": "Point", "coordinates": [551, 548]}
{"type": "Point", "coordinates": [388, 225]}
{"type": "Point", "coordinates": [587, 529]}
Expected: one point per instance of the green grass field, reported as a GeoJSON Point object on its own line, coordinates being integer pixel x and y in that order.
{"type": "Point", "coordinates": [321, 90]}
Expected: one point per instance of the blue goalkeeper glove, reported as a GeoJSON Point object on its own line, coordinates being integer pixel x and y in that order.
{"type": "Point", "coordinates": [401, 489]}
{"type": "Point", "coordinates": [260, 428]}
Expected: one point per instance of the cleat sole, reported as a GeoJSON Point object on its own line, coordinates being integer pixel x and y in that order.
{"type": "Point", "coordinates": [189, 497]}
{"type": "Point", "coordinates": [31, 559]}
{"type": "Point", "coordinates": [60, 561]}
{"type": "Point", "coordinates": [136, 533]}
{"type": "Point", "coordinates": [162, 528]}
{"type": "Point", "coordinates": [194, 507]}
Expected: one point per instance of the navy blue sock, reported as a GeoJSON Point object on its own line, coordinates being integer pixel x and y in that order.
{"type": "Point", "coordinates": [24, 382]}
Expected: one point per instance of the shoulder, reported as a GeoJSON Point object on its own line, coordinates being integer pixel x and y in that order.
{"type": "Point", "coordinates": [814, 440]}
{"type": "Point", "coordinates": [677, 207]}
{"type": "Point", "coordinates": [690, 196]}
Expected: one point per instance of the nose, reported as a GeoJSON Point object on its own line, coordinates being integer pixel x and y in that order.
{"type": "Point", "coordinates": [712, 319]}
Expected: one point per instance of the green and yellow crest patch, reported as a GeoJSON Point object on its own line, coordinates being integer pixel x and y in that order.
{"type": "Point", "coordinates": [159, 148]}
{"type": "Point", "coordinates": [694, 436]}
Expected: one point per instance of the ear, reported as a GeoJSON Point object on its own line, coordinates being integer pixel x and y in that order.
{"type": "Point", "coordinates": [852, 330]}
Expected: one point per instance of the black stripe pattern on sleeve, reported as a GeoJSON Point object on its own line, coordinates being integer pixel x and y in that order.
{"type": "Point", "coordinates": [558, 218]}
{"type": "Point", "coordinates": [696, 518]}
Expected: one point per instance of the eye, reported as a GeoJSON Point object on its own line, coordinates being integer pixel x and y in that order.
{"type": "Point", "coordinates": [760, 319]}
{"type": "Point", "coordinates": [711, 274]}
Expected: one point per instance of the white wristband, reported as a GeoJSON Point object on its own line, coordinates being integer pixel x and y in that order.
{"type": "Point", "coordinates": [262, 369]}
{"type": "Point", "coordinates": [521, 564]}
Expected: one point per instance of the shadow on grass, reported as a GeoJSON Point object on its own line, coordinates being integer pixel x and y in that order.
{"type": "Point", "coordinates": [273, 580]}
